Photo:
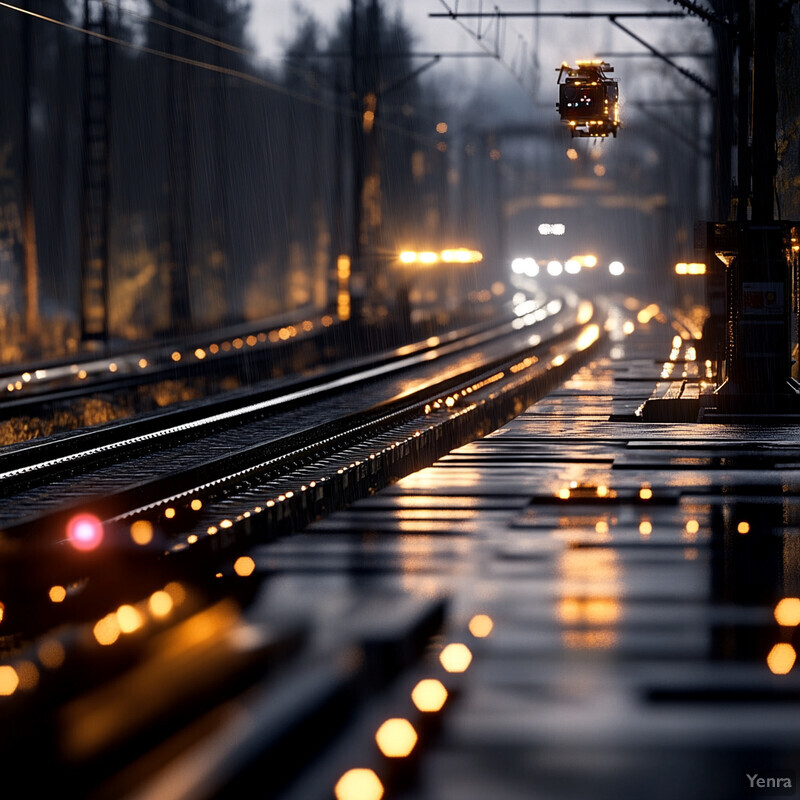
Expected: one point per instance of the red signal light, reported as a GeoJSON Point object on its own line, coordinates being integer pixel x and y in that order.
{"type": "Point", "coordinates": [85, 532]}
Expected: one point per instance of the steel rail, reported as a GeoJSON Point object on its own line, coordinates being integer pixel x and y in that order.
{"type": "Point", "coordinates": [46, 458]}
{"type": "Point", "coordinates": [37, 555]}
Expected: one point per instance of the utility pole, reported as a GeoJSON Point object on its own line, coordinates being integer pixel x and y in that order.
{"type": "Point", "coordinates": [179, 180]}
{"type": "Point", "coordinates": [723, 117]}
{"type": "Point", "coordinates": [744, 165]}
{"type": "Point", "coordinates": [220, 116]}
{"type": "Point", "coordinates": [760, 289]}
{"type": "Point", "coordinates": [365, 93]}
{"type": "Point", "coordinates": [94, 216]}
{"type": "Point", "coordinates": [28, 219]}
{"type": "Point", "coordinates": [357, 277]}
{"type": "Point", "coordinates": [371, 202]}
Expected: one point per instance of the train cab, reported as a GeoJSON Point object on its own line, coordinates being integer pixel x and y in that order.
{"type": "Point", "coordinates": [588, 100]}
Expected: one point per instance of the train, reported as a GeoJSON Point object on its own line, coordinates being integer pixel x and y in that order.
{"type": "Point", "coordinates": [588, 100]}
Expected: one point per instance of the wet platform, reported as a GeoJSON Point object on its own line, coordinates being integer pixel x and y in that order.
{"type": "Point", "coordinates": [616, 583]}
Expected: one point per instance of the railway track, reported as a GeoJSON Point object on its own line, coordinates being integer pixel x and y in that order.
{"type": "Point", "coordinates": [204, 364]}
{"type": "Point", "coordinates": [137, 534]}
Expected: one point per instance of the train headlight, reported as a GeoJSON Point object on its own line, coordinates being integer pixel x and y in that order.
{"type": "Point", "coordinates": [616, 268]}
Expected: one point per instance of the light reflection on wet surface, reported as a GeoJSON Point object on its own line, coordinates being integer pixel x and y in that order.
{"type": "Point", "coordinates": [634, 638]}
{"type": "Point", "coordinates": [623, 605]}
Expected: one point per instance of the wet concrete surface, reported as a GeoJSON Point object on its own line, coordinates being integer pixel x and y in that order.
{"type": "Point", "coordinates": [619, 587]}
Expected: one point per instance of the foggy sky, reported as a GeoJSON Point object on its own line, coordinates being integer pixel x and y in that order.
{"type": "Point", "coordinates": [273, 23]}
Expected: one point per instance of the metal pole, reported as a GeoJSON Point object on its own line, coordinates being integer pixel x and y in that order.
{"type": "Point", "coordinates": [743, 127]}
{"type": "Point", "coordinates": [357, 154]}
{"type": "Point", "coordinates": [765, 110]}
{"type": "Point", "coordinates": [759, 286]}
{"type": "Point", "coordinates": [28, 219]}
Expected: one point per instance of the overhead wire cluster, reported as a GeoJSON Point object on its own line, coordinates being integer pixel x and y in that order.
{"type": "Point", "coordinates": [330, 105]}
{"type": "Point", "coordinates": [523, 66]}
{"type": "Point", "coordinates": [696, 10]}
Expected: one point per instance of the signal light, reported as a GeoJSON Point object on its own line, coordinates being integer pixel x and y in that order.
{"type": "Point", "coordinates": [85, 532]}
{"type": "Point", "coordinates": [682, 268]}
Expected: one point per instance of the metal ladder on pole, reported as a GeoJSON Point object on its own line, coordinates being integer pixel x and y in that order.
{"type": "Point", "coordinates": [94, 211]}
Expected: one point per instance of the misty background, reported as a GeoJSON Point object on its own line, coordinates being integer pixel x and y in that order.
{"type": "Point", "coordinates": [234, 153]}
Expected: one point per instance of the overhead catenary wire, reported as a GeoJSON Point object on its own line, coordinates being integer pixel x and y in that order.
{"type": "Point", "coordinates": [212, 40]}
{"type": "Point", "coordinates": [149, 20]}
{"type": "Point", "coordinates": [479, 36]}
{"type": "Point", "coordinates": [234, 73]}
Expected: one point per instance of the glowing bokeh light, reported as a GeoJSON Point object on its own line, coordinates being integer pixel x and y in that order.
{"type": "Point", "coordinates": [694, 268]}
{"type": "Point", "coordinates": [481, 625]}
{"type": "Point", "coordinates": [106, 631]}
{"type": "Point", "coordinates": [176, 591]}
{"type": "Point", "coordinates": [787, 612]}
{"type": "Point", "coordinates": [160, 603]}
{"type": "Point", "coordinates": [9, 680]}
{"type": "Point", "coordinates": [781, 658]}
{"type": "Point", "coordinates": [85, 532]}
{"type": "Point", "coordinates": [129, 619]}
{"type": "Point", "coordinates": [244, 566]}
{"type": "Point", "coordinates": [358, 784]}
{"type": "Point", "coordinates": [142, 532]}
{"type": "Point", "coordinates": [456, 657]}
{"type": "Point", "coordinates": [51, 653]}
{"type": "Point", "coordinates": [396, 738]}
{"type": "Point", "coordinates": [429, 695]}
{"type": "Point", "coordinates": [554, 268]}
{"type": "Point", "coordinates": [57, 594]}
{"type": "Point", "coordinates": [616, 268]}
{"type": "Point", "coordinates": [28, 674]}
